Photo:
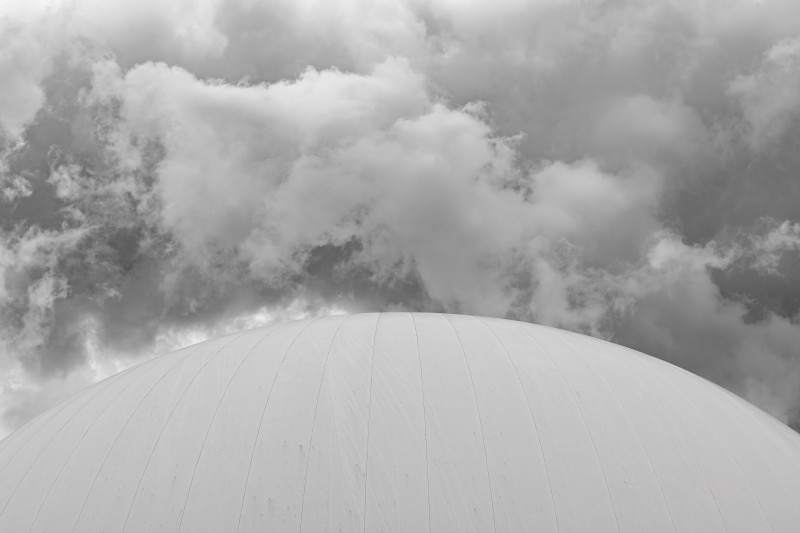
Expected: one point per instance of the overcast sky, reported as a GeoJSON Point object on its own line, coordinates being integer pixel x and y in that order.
{"type": "Point", "coordinates": [172, 170]}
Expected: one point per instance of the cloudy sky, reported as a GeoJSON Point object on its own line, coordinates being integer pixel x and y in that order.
{"type": "Point", "coordinates": [172, 170]}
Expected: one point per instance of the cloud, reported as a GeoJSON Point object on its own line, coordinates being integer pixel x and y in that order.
{"type": "Point", "coordinates": [769, 96]}
{"type": "Point", "coordinates": [173, 171]}
{"type": "Point", "coordinates": [680, 314]}
{"type": "Point", "coordinates": [24, 61]}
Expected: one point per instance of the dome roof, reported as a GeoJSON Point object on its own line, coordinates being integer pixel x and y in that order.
{"type": "Point", "coordinates": [402, 422]}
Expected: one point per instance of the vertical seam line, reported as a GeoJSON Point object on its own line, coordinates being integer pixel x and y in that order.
{"type": "Point", "coordinates": [733, 458]}
{"type": "Point", "coordinates": [130, 417]}
{"type": "Point", "coordinates": [247, 356]}
{"type": "Point", "coordinates": [690, 451]}
{"type": "Point", "coordinates": [39, 422]}
{"type": "Point", "coordinates": [533, 419]}
{"type": "Point", "coordinates": [49, 443]}
{"type": "Point", "coordinates": [424, 420]}
{"type": "Point", "coordinates": [77, 445]}
{"type": "Point", "coordinates": [45, 417]}
{"type": "Point", "coordinates": [178, 401]}
{"type": "Point", "coordinates": [630, 422]}
{"type": "Point", "coordinates": [478, 412]}
{"type": "Point", "coordinates": [751, 415]}
{"type": "Point", "coordinates": [263, 413]}
{"type": "Point", "coordinates": [369, 419]}
{"type": "Point", "coordinates": [169, 418]}
{"type": "Point", "coordinates": [314, 419]}
{"type": "Point", "coordinates": [583, 419]}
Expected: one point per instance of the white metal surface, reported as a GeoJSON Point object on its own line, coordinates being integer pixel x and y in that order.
{"type": "Point", "coordinates": [402, 422]}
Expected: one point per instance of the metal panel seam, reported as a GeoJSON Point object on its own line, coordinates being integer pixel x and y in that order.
{"type": "Point", "coordinates": [630, 421]}
{"type": "Point", "coordinates": [533, 420]}
{"type": "Point", "coordinates": [314, 419]}
{"type": "Point", "coordinates": [690, 451]}
{"type": "Point", "coordinates": [478, 412]}
{"type": "Point", "coordinates": [727, 449]}
{"type": "Point", "coordinates": [424, 420]}
{"type": "Point", "coordinates": [77, 444]}
{"type": "Point", "coordinates": [263, 412]}
{"type": "Point", "coordinates": [47, 445]}
{"type": "Point", "coordinates": [130, 417]}
{"type": "Point", "coordinates": [369, 419]}
{"type": "Point", "coordinates": [583, 419]}
{"type": "Point", "coordinates": [214, 417]}
{"type": "Point", "coordinates": [44, 418]}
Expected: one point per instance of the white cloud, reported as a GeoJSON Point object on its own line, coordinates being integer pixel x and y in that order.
{"type": "Point", "coordinates": [179, 166]}
{"type": "Point", "coordinates": [770, 97]}
{"type": "Point", "coordinates": [24, 61]}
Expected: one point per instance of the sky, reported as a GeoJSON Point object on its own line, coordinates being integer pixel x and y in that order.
{"type": "Point", "coordinates": [172, 171]}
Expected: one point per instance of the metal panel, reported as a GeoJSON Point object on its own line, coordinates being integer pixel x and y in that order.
{"type": "Point", "coordinates": [402, 422]}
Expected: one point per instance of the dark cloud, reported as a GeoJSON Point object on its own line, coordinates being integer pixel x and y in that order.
{"type": "Point", "coordinates": [621, 168]}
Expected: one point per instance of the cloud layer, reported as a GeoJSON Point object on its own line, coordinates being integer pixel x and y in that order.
{"type": "Point", "coordinates": [621, 168]}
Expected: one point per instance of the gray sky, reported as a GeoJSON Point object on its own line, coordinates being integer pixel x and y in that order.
{"type": "Point", "coordinates": [175, 170]}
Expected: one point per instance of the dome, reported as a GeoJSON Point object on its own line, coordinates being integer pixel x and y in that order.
{"type": "Point", "coordinates": [402, 422]}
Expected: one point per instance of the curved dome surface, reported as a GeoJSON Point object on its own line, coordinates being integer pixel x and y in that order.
{"type": "Point", "coordinates": [402, 422]}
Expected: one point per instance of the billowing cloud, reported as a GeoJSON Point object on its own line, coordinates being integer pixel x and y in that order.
{"type": "Point", "coordinates": [175, 170]}
{"type": "Point", "coordinates": [770, 96]}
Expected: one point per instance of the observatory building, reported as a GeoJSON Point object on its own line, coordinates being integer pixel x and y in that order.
{"type": "Point", "coordinates": [402, 422]}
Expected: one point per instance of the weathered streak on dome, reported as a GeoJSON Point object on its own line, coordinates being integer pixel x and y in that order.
{"type": "Point", "coordinates": [402, 422]}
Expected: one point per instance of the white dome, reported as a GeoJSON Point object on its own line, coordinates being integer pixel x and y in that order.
{"type": "Point", "coordinates": [402, 422]}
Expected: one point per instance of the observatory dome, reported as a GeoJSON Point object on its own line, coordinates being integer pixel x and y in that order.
{"type": "Point", "coordinates": [402, 422]}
